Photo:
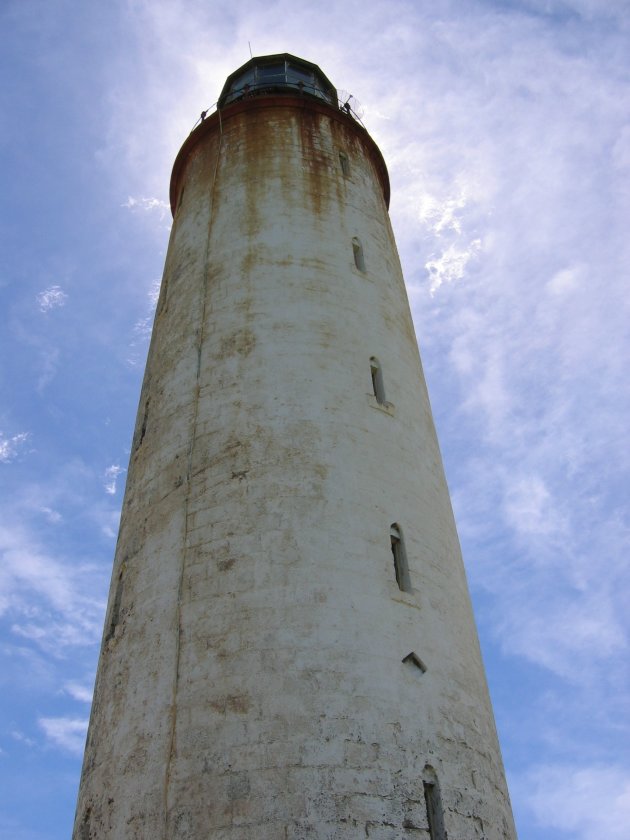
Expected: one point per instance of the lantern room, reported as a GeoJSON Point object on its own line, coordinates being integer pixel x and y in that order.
{"type": "Point", "coordinates": [277, 74]}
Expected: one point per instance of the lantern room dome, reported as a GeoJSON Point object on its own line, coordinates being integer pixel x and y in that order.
{"type": "Point", "coordinates": [282, 73]}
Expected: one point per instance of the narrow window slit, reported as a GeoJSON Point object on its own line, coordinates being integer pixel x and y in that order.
{"type": "Point", "coordinates": [401, 567]}
{"type": "Point", "coordinates": [345, 164]}
{"type": "Point", "coordinates": [357, 250]}
{"type": "Point", "coordinates": [435, 814]}
{"type": "Point", "coordinates": [377, 380]}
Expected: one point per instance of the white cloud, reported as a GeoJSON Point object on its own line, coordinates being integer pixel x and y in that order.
{"type": "Point", "coordinates": [565, 281]}
{"type": "Point", "coordinates": [111, 474]}
{"type": "Point", "coordinates": [441, 216]}
{"type": "Point", "coordinates": [19, 736]}
{"type": "Point", "coordinates": [67, 733]}
{"type": "Point", "coordinates": [148, 205]}
{"type": "Point", "coordinates": [451, 264]}
{"type": "Point", "coordinates": [535, 343]}
{"type": "Point", "coordinates": [108, 522]}
{"type": "Point", "coordinates": [10, 446]}
{"type": "Point", "coordinates": [530, 509]}
{"type": "Point", "coordinates": [49, 360]}
{"type": "Point", "coordinates": [79, 692]}
{"type": "Point", "coordinates": [49, 601]}
{"type": "Point", "coordinates": [154, 292]}
{"type": "Point", "coordinates": [574, 636]}
{"type": "Point", "coordinates": [51, 298]}
{"type": "Point", "coordinates": [142, 328]}
{"type": "Point", "coordinates": [590, 802]}
{"type": "Point", "coordinates": [53, 516]}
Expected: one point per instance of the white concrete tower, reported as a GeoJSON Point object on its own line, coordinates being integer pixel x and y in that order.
{"type": "Point", "coordinates": [289, 649]}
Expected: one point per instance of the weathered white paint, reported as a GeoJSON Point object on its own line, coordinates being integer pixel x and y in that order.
{"type": "Point", "coordinates": [251, 682]}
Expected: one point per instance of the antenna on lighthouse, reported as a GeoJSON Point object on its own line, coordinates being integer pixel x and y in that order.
{"type": "Point", "coordinates": [350, 104]}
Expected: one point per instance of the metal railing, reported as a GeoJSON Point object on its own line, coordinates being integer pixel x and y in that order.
{"type": "Point", "coordinates": [269, 87]}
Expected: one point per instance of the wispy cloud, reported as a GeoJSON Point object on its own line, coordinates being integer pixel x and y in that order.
{"type": "Point", "coordinates": [142, 330]}
{"type": "Point", "coordinates": [49, 365]}
{"type": "Point", "coordinates": [48, 601]}
{"type": "Point", "coordinates": [451, 264]}
{"type": "Point", "coordinates": [529, 508]}
{"type": "Point", "coordinates": [108, 521]}
{"type": "Point", "coordinates": [111, 475]}
{"type": "Point", "coordinates": [51, 298]}
{"type": "Point", "coordinates": [11, 446]}
{"type": "Point", "coordinates": [442, 216]}
{"type": "Point", "coordinates": [148, 205]}
{"type": "Point", "coordinates": [65, 732]}
{"type": "Point", "coordinates": [79, 692]}
{"type": "Point", "coordinates": [53, 516]}
{"type": "Point", "coordinates": [154, 292]}
{"type": "Point", "coordinates": [590, 802]}
{"type": "Point", "coordinates": [534, 339]}
{"type": "Point", "coordinates": [19, 736]}
{"type": "Point", "coordinates": [143, 326]}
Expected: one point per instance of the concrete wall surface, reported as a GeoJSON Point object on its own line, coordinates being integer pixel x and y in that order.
{"type": "Point", "coordinates": [251, 682]}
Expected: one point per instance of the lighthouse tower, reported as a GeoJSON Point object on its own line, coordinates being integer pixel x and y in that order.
{"type": "Point", "coordinates": [289, 649]}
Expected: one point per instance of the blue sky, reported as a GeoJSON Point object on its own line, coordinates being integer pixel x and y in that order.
{"type": "Point", "coordinates": [505, 128]}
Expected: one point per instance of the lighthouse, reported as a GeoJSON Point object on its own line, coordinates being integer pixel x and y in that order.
{"type": "Point", "coordinates": [289, 649]}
